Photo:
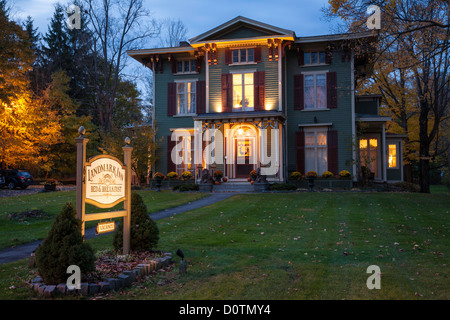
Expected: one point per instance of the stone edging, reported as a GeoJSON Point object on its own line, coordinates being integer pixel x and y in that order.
{"type": "Point", "coordinates": [124, 280]}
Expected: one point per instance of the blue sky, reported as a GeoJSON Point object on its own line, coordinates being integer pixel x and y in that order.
{"type": "Point", "coordinates": [303, 17]}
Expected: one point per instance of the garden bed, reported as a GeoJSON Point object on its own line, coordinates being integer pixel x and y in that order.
{"type": "Point", "coordinates": [112, 273]}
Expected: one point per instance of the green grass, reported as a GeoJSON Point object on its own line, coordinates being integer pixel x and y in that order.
{"type": "Point", "coordinates": [298, 246]}
{"type": "Point", "coordinates": [13, 232]}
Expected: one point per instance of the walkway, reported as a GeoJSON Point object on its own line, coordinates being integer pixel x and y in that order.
{"type": "Point", "coordinates": [23, 251]}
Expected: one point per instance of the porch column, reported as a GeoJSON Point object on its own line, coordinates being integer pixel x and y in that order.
{"type": "Point", "coordinates": [383, 150]}
{"type": "Point", "coordinates": [198, 149]}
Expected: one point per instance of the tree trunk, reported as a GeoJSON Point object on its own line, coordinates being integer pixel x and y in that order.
{"type": "Point", "coordinates": [424, 149]}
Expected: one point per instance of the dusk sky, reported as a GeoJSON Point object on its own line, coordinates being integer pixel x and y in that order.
{"type": "Point", "coordinates": [303, 17]}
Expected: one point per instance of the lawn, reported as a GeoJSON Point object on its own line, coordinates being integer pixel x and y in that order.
{"type": "Point", "coordinates": [297, 246]}
{"type": "Point", "coordinates": [14, 232]}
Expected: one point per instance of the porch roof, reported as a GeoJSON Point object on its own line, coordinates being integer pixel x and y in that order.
{"type": "Point", "coordinates": [371, 118]}
{"type": "Point", "coordinates": [241, 116]}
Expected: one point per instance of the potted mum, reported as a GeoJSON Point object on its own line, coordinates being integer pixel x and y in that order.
{"type": "Point", "coordinates": [345, 175]}
{"type": "Point", "coordinates": [327, 175]}
{"type": "Point", "coordinates": [296, 176]}
{"type": "Point", "coordinates": [186, 175]}
{"type": "Point", "coordinates": [218, 175]}
{"type": "Point", "coordinates": [172, 175]}
{"type": "Point", "coordinates": [253, 175]}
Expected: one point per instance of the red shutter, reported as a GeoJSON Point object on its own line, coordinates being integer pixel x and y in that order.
{"type": "Point", "coordinates": [198, 64]}
{"type": "Point", "coordinates": [257, 54]}
{"type": "Point", "coordinates": [174, 65]}
{"type": "Point", "coordinates": [171, 98]}
{"type": "Point", "coordinates": [331, 89]}
{"type": "Point", "coordinates": [300, 151]}
{"type": "Point", "coordinates": [299, 101]}
{"type": "Point", "coordinates": [328, 56]}
{"type": "Point", "coordinates": [228, 56]}
{"type": "Point", "coordinates": [301, 58]}
{"type": "Point", "coordinates": [259, 79]}
{"type": "Point", "coordinates": [201, 96]}
{"type": "Point", "coordinates": [170, 145]}
{"type": "Point", "coordinates": [227, 94]}
{"type": "Point", "coordinates": [332, 146]}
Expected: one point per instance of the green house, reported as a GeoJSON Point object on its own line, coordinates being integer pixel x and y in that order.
{"type": "Point", "coordinates": [248, 95]}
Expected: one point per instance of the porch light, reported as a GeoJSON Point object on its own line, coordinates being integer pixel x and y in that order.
{"type": "Point", "coordinates": [240, 131]}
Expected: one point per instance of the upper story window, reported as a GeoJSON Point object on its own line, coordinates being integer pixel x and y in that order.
{"type": "Point", "coordinates": [241, 56]}
{"type": "Point", "coordinates": [314, 57]}
{"type": "Point", "coordinates": [186, 66]}
{"type": "Point", "coordinates": [315, 91]}
{"type": "Point", "coordinates": [243, 91]}
{"type": "Point", "coordinates": [186, 97]}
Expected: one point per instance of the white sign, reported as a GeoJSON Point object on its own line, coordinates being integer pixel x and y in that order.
{"type": "Point", "coordinates": [103, 227]}
{"type": "Point", "coordinates": [105, 181]}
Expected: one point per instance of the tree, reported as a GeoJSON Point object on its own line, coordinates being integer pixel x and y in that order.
{"type": "Point", "coordinates": [144, 233]}
{"type": "Point", "coordinates": [56, 98]}
{"type": "Point", "coordinates": [27, 128]}
{"type": "Point", "coordinates": [117, 27]}
{"type": "Point", "coordinates": [419, 31]}
{"type": "Point", "coordinates": [172, 33]}
{"type": "Point", "coordinates": [64, 246]}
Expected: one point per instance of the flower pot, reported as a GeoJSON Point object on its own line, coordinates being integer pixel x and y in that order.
{"type": "Point", "coordinates": [225, 179]}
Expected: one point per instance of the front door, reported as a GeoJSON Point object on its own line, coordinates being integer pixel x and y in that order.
{"type": "Point", "coordinates": [244, 151]}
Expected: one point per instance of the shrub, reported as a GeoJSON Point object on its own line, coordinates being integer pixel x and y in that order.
{"type": "Point", "coordinates": [412, 187]}
{"type": "Point", "coordinates": [282, 186]}
{"type": "Point", "coordinates": [327, 174]}
{"type": "Point", "coordinates": [296, 175]}
{"type": "Point", "coordinates": [63, 247]}
{"type": "Point", "coordinates": [172, 175]}
{"type": "Point", "coordinates": [186, 187]}
{"type": "Point", "coordinates": [144, 233]}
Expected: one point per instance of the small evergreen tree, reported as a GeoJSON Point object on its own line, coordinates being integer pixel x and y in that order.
{"type": "Point", "coordinates": [63, 247]}
{"type": "Point", "coordinates": [144, 233]}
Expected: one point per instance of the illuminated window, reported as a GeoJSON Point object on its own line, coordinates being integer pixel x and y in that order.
{"type": "Point", "coordinates": [316, 158]}
{"type": "Point", "coordinates": [243, 92]}
{"type": "Point", "coordinates": [368, 154]}
{"type": "Point", "coordinates": [315, 91]}
{"type": "Point", "coordinates": [186, 98]}
{"type": "Point", "coordinates": [392, 156]}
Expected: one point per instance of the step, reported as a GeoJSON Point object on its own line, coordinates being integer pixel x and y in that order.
{"type": "Point", "coordinates": [234, 187]}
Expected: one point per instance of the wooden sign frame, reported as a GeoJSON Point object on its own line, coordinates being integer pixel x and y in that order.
{"type": "Point", "coordinates": [81, 190]}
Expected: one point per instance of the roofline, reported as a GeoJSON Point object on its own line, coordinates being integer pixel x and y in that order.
{"type": "Point", "coordinates": [241, 19]}
{"type": "Point", "coordinates": [335, 37]}
{"type": "Point", "coordinates": [160, 50]}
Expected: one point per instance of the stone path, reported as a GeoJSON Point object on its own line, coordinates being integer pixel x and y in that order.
{"type": "Point", "coordinates": [24, 250]}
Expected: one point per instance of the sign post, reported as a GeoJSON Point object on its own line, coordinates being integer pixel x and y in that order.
{"type": "Point", "coordinates": [104, 182]}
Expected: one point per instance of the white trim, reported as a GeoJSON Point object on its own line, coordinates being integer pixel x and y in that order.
{"type": "Point", "coordinates": [374, 119]}
{"type": "Point", "coordinates": [243, 71]}
{"type": "Point", "coordinates": [318, 109]}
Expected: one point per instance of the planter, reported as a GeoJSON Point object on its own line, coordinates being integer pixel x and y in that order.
{"type": "Point", "coordinates": [205, 187]}
{"type": "Point", "coordinates": [158, 184]}
{"type": "Point", "coordinates": [311, 183]}
{"type": "Point", "coordinates": [261, 187]}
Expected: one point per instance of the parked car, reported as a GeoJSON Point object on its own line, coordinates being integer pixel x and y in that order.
{"type": "Point", "coordinates": [16, 178]}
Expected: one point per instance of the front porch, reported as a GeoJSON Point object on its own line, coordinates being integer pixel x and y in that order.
{"type": "Point", "coordinates": [237, 143]}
